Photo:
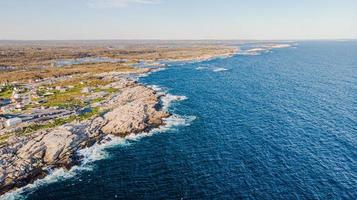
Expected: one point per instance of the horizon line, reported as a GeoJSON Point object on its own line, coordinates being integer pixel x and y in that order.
{"type": "Point", "coordinates": [146, 39]}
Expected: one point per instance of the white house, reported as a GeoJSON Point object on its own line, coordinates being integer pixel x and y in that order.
{"type": "Point", "coordinates": [13, 121]}
{"type": "Point", "coordinates": [86, 90]}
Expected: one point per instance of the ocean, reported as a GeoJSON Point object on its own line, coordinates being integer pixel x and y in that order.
{"type": "Point", "coordinates": [277, 125]}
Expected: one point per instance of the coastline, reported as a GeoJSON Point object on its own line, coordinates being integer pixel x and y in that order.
{"type": "Point", "coordinates": [29, 158]}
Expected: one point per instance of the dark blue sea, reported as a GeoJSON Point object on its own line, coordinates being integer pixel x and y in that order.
{"type": "Point", "coordinates": [279, 125]}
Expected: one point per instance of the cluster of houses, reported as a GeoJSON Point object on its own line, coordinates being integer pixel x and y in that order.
{"type": "Point", "coordinates": [8, 105]}
{"type": "Point", "coordinates": [24, 95]}
{"type": "Point", "coordinates": [16, 102]}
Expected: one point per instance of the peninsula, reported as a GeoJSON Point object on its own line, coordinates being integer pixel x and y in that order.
{"type": "Point", "coordinates": [59, 97]}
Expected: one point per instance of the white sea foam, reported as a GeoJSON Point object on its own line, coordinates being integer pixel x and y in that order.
{"type": "Point", "coordinates": [54, 176]}
{"type": "Point", "coordinates": [159, 69]}
{"type": "Point", "coordinates": [256, 50]}
{"type": "Point", "coordinates": [201, 68]}
{"type": "Point", "coordinates": [90, 155]}
{"type": "Point", "coordinates": [219, 69]}
{"type": "Point", "coordinates": [98, 151]}
{"type": "Point", "coordinates": [169, 98]}
{"type": "Point", "coordinates": [170, 123]}
{"type": "Point", "coordinates": [148, 73]}
{"type": "Point", "coordinates": [278, 46]}
{"type": "Point", "coordinates": [157, 88]}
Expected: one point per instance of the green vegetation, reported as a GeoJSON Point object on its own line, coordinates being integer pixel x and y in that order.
{"type": "Point", "coordinates": [112, 90]}
{"type": "Point", "coordinates": [72, 97]}
{"type": "Point", "coordinates": [3, 139]}
{"type": "Point", "coordinates": [6, 91]}
{"type": "Point", "coordinates": [98, 100]}
{"type": "Point", "coordinates": [69, 99]}
{"type": "Point", "coordinates": [40, 91]}
{"type": "Point", "coordinates": [59, 122]}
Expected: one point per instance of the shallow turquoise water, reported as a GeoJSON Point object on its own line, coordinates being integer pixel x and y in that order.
{"type": "Point", "coordinates": [281, 125]}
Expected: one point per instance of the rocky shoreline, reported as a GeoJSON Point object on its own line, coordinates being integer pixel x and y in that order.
{"type": "Point", "coordinates": [135, 109]}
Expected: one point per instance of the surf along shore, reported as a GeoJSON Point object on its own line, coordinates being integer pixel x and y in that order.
{"type": "Point", "coordinates": [87, 100]}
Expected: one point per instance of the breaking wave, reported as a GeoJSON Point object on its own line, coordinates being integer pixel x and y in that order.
{"type": "Point", "coordinates": [170, 123]}
{"type": "Point", "coordinates": [90, 155]}
{"type": "Point", "coordinates": [167, 99]}
{"type": "Point", "coordinates": [220, 69]}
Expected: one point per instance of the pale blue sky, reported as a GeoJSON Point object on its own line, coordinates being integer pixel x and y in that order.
{"type": "Point", "coordinates": [178, 19]}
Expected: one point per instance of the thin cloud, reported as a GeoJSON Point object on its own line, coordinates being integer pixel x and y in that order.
{"type": "Point", "coordinates": [118, 3]}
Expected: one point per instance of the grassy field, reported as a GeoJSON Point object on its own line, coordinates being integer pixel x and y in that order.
{"type": "Point", "coordinates": [6, 92]}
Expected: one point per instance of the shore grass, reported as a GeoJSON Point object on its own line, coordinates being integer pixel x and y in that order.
{"type": "Point", "coordinates": [6, 92]}
{"type": "Point", "coordinates": [69, 99]}
{"type": "Point", "coordinates": [59, 122]}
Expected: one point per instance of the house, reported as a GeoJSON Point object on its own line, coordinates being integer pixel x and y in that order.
{"type": "Point", "coordinates": [19, 106]}
{"type": "Point", "coordinates": [48, 94]}
{"type": "Point", "coordinates": [16, 97]}
{"type": "Point", "coordinates": [61, 89]}
{"type": "Point", "coordinates": [13, 121]}
{"type": "Point", "coordinates": [58, 87]}
{"type": "Point", "coordinates": [86, 90]}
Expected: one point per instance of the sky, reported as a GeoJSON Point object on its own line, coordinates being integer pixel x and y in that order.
{"type": "Point", "coordinates": [177, 19]}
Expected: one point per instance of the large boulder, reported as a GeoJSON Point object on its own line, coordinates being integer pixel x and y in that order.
{"type": "Point", "coordinates": [135, 111]}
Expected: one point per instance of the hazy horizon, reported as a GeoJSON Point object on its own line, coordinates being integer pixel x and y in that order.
{"type": "Point", "coordinates": [178, 20]}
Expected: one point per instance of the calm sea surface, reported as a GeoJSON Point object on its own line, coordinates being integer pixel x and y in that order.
{"type": "Point", "coordinates": [280, 125]}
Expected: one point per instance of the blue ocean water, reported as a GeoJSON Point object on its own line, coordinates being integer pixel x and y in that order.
{"type": "Point", "coordinates": [280, 125]}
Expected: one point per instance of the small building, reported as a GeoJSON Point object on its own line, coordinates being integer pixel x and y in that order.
{"type": "Point", "coordinates": [86, 90]}
{"type": "Point", "coordinates": [16, 97]}
{"type": "Point", "coordinates": [61, 89]}
{"type": "Point", "coordinates": [58, 87]}
{"type": "Point", "coordinates": [13, 121]}
{"type": "Point", "coordinates": [19, 106]}
{"type": "Point", "coordinates": [48, 94]}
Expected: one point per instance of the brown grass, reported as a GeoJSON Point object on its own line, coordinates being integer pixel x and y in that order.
{"type": "Point", "coordinates": [25, 75]}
